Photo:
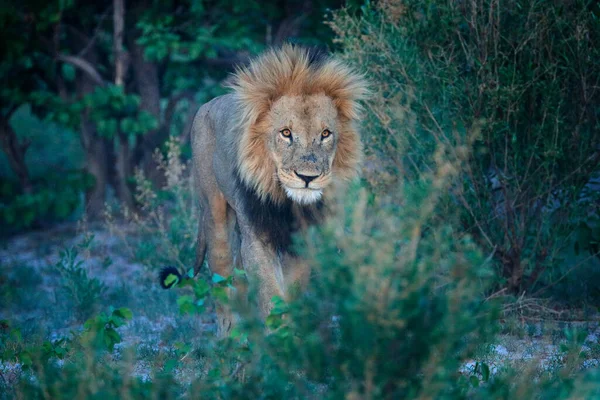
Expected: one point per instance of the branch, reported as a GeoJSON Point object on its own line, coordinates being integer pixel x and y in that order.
{"type": "Point", "coordinates": [96, 33]}
{"type": "Point", "coordinates": [83, 65]}
{"type": "Point", "coordinates": [15, 152]}
{"type": "Point", "coordinates": [119, 27]}
{"type": "Point", "coordinates": [10, 111]}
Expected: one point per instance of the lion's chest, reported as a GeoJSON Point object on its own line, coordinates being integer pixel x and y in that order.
{"type": "Point", "coordinates": [277, 224]}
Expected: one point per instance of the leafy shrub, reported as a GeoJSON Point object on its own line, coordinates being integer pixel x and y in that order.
{"type": "Point", "coordinates": [55, 196]}
{"type": "Point", "coordinates": [389, 314]}
{"type": "Point", "coordinates": [525, 72]}
{"type": "Point", "coordinates": [83, 291]}
{"type": "Point", "coordinates": [84, 372]}
{"type": "Point", "coordinates": [394, 310]}
{"type": "Point", "coordinates": [101, 330]}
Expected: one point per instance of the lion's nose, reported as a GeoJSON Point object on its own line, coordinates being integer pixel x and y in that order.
{"type": "Point", "coordinates": [306, 178]}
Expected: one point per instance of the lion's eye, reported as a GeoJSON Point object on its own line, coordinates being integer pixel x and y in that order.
{"type": "Point", "coordinates": [326, 133]}
{"type": "Point", "coordinates": [286, 133]}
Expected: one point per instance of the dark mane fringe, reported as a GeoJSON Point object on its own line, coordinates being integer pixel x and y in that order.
{"type": "Point", "coordinates": [278, 221]}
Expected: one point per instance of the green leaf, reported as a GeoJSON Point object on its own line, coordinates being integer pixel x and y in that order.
{"type": "Point", "coordinates": [113, 338]}
{"type": "Point", "coordinates": [485, 372]}
{"type": "Point", "coordinates": [201, 288]}
{"type": "Point", "coordinates": [123, 312]}
{"type": "Point", "coordinates": [474, 381]}
{"type": "Point", "coordinates": [220, 294]}
{"type": "Point", "coordinates": [216, 278]}
{"type": "Point", "coordinates": [274, 321]}
{"type": "Point", "coordinates": [279, 306]}
{"type": "Point", "coordinates": [239, 272]}
{"type": "Point", "coordinates": [68, 72]}
{"type": "Point", "coordinates": [182, 348]}
{"type": "Point", "coordinates": [186, 299]}
{"type": "Point", "coordinates": [25, 359]}
{"type": "Point", "coordinates": [116, 321]}
{"type": "Point", "coordinates": [170, 365]}
{"type": "Point", "coordinates": [187, 308]}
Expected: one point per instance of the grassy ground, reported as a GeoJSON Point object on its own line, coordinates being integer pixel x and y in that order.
{"type": "Point", "coordinates": [47, 295]}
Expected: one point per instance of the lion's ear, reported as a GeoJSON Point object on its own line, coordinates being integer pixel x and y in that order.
{"type": "Point", "coordinates": [345, 86]}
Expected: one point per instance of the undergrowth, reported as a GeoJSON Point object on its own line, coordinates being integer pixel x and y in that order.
{"type": "Point", "coordinates": [395, 309]}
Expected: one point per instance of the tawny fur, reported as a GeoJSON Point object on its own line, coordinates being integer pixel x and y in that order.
{"type": "Point", "coordinates": [250, 179]}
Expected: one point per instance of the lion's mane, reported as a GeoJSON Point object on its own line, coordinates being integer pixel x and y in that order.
{"type": "Point", "coordinates": [292, 70]}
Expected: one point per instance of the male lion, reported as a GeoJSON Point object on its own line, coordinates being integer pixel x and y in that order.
{"type": "Point", "coordinates": [265, 160]}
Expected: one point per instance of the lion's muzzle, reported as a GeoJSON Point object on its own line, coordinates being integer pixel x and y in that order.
{"type": "Point", "coordinates": [307, 178]}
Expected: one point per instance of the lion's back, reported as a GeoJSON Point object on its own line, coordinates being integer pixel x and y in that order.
{"type": "Point", "coordinates": [210, 137]}
{"type": "Point", "coordinates": [215, 115]}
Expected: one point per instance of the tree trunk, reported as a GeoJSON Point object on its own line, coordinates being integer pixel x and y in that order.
{"type": "Point", "coordinates": [15, 153]}
{"type": "Point", "coordinates": [148, 86]}
{"type": "Point", "coordinates": [118, 28]}
{"type": "Point", "coordinates": [95, 147]}
{"type": "Point", "coordinates": [124, 172]}
{"type": "Point", "coordinates": [123, 158]}
{"type": "Point", "coordinates": [96, 156]}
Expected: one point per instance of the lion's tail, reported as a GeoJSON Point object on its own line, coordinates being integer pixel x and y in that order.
{"type": "Point", "coordinates": [169, 277]}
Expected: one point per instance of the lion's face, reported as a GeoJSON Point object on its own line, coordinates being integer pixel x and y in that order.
{"type": "Point", "coordinates": [302, 142]}
{"type": "Point", "coordinates": [298, 125]}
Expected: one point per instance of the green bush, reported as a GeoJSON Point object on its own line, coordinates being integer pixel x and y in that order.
{"type": "Point", "coordinates": [166, 222]}
{"type": "Point", "coordinates": [394, 310]}
{"type": "Point", "coordinates": [83, 291]}
{"type": "Point", "coordinates": [54, 198]}
{"type": "Point", "coordinates": [523, 71]}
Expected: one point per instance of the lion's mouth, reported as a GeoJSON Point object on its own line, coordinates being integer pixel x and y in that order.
{"type": "Point", "coordinates": [304, 195]}
{"type": "Point", "coordinates": [300, 189]}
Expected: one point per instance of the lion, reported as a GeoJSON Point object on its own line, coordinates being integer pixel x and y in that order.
{"type": "Point", "coordinates": [266, 160]}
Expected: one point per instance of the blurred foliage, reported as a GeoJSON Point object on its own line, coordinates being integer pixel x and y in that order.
{"type": "Point", "coordinates": [114, 111]}
{"type": "Point", "coordinates": [389, 314]}
{"type": "Point", "coordinates": [58, 59]}
{"type": "Point", "coordinates": [171, 211]}
{"type": "Point", "coordinates": [56, 196]}
{"type": "Point", "coordinates": [83, 291]}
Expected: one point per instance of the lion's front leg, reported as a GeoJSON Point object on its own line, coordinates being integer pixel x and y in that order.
{"type": "Point", "coordinates": [220, 259]}
{"type": "Point", "coordinates": [296, 272]}
{"type": "Point", "coordinates": [264, 270]}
